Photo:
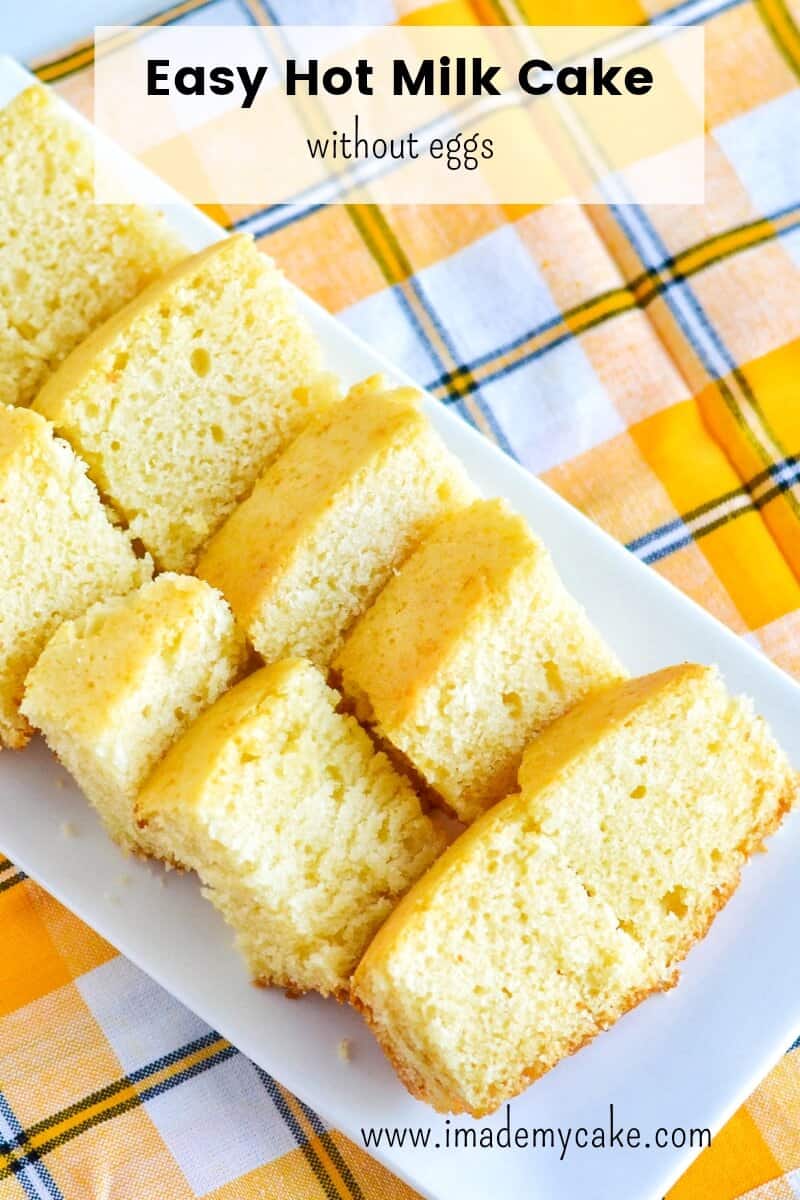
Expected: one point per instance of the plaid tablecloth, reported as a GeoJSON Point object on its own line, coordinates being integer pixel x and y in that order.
{"type": "Point", "coordinates": [647, 364]}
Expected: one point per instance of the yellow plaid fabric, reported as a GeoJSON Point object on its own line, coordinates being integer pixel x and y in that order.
{"type": "Point", "coordinates": [647, 364]}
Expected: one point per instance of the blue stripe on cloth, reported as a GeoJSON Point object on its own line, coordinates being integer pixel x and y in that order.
{"type": "Point", "coordinates": [688, 312]}
{"type": "Point", "coordinates": [674, 535]}
{"type": "Point", "coordinates": [663, 287]}
{"type": "Point", "coordinates": [323, 1178]}
{"type": "Point", "coordinates": [174, 1056]}
{"type": "Point", "coordinates": [786, 473]}
{"type": "Point", "coordinates": [333, 1150]}
{"type": "Point", "coordinates": [246, 13]}
{"type": "Point", "coordinates": [274, 1092]}
{"type": "Point", "coordinates": [176, 20]}
{"type": "Point", "coordinates": [694, 12]}
{"type": "Point", "coordinates": [661, 542]}
{"type": "Point", "coordinates": [432, 315]}
{"type": "Point", "coordinates": [475, 364]}
{"type": "Point", "coordinates": [17, 1133]}
{"type": "Point", "coordinates": [168, 1060]}
{"type": "Point", "coordinates": [274, 218]}
{"type": "Point", "coordinates": [31, 1173]}
{"type": "Point", "coordinates": [441, 329]}
{"type": "Point", "coordinates": [198, 1068]}
{"type": "Point", "coordinates": [270, 220]}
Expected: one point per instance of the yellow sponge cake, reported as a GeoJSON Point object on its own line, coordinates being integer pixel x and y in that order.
{"type": "Point", "coordinates": [567, 903]}
{"type": "Point", "coordinates": [59, 553]}
{"type": "Point", "coordinates": [672, 784]}
{"type": "Point", "coordinates": [304, 836]}
{"type": "Point", "coordinates": [66, 263]}
{"type": "Point", "coordinates": [179, 401]}
{"type": "Point", "coordinates": [469, 650]}
{"type": "Point", "coordinates": [114, 688]}
{"type": "Point", "coordinates": [330, 520]}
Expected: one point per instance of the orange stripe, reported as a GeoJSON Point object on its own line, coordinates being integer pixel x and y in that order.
{"type": "Point", "coordinates": [316, 1143]}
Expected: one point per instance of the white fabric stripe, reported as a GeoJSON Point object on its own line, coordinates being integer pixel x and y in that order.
{"type": "Point", "coordinates": [33, 1181]}
{"type": "Point", "coordinates": [786, 474]}
{"type": "Point", "coordinates": [787, 1187]}
{"type": "Point", "coordinates": [728, 508]}
{"type": "Point", "coordinates": [693, 14]}
{"type": "Point", "coordinates": [226, 1109]}
{"type": "Point", "coordinates": [717, 358]}
{"type": "Point", "coordinates": [676, 534]}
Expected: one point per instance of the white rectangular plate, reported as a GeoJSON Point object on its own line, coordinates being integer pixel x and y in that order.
{"type": "Point", "coordinates": [684, 1059]}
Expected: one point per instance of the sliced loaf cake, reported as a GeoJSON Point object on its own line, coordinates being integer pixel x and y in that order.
{"type": "Point", "coordinates": [331, 519]}
{"type": "Point", "coordinates": [59, 552]}
{"type": "Point", "coordinates": [303, 835]}
{"type": "Point", "coordinates": [470, 649]}
{"type": "Point", "coordinates": [180, 400]}
{"type": "Point", "coordinates": [66, 263]}
{"type": "Point", "coordinates": [114, 688]}
{"type": "Point", "coordinates": [569, 902]}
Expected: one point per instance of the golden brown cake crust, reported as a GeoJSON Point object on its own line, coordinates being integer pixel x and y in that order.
{"type": "Point", "coordinates": [304, 918]}
{"type": "Point", "coordinates": [416, 1083]}
{"type": "Point", "coordinates": [546, 771]}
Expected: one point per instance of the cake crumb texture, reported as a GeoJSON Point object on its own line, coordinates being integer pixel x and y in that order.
{"type": "Point", "coordinates": [59, 552]}
{"type": "Point", "coordinates": [345, 1050]}
{"type": "Point", "coordinates": [331, 519]}
{"type": "Point", "coordinates": [181, 399]}
{"type": "Point", "coordinates": [570, 901]}
{"type": "Point", "coordinates": [471, 649]}
{"type": "Point", "coordinates": [303, 835]}
{"type": "Point", "coordinates": [66, 263]}
{"type": "Point", "coordinates": [114, 688]}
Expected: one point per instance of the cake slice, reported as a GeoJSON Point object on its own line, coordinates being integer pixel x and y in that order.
{"type": "Point", "coordinates": [66, 263]}
{"type": "Point", "coordinates": [303, 835]}
{"type": "Point", "coordinates": [331, 519]}
{"type": "Point", "coordinates": [114, 688]}
{"type": "Point", "coordinates": [471, 649]}
{"type": "Point", "coordinates": [179, 401]}
{"type": "Point", "coordinates": [59, 552]}
{"type": "Point", "coordinates": [567, 903]}
{"type": "Point", "coordinates": [672, 784]}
